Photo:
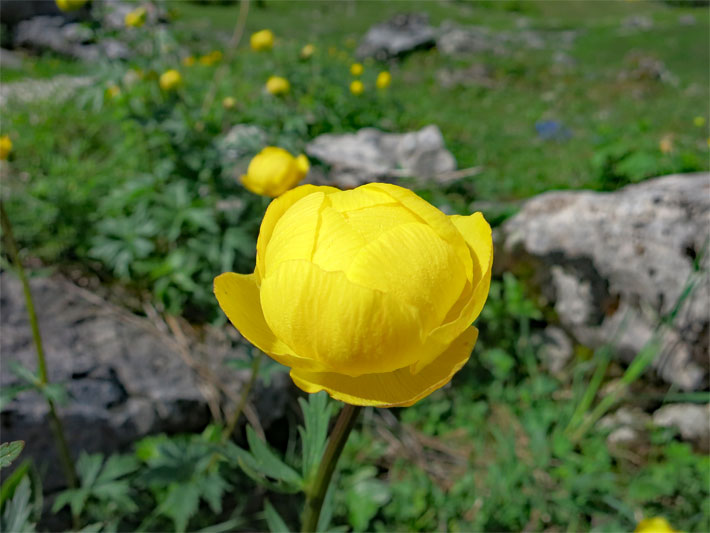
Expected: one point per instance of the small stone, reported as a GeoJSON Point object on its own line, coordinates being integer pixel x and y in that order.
{"type": "Point", "coordinates": [398, 36]}
{"type": "Point", "coordinates": [691, 420]}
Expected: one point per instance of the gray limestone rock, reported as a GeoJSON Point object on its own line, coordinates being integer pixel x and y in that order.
{"type": "Point", "coordinates": [401, 34]}
{"type": "Point", "coordinates": [616, 265]}
{"type": "Point", "coordinates": [691, 420]}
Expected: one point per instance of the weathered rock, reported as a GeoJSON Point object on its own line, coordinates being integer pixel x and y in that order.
{"type": "Point", "coordinates": [627, 425]}
{"type": "Point", "coordinates": [555, 348]}
{"type": "Point", "coordinates": [10, 59]}
{"type": "Point", "coordinates": [401, 34]}
{"type": "Point", "coordinates": [371, 155]}
{"type": "Point", "coordinates": [477, 75]}
{"type": "Point", "coordinates": [125, 377]}
{"type": "Point", "coordinates": [691, 420]}
{"type": "Point", "coordinates": [57, 88]}
{"type": "Point", "coordinates": [614, 264]}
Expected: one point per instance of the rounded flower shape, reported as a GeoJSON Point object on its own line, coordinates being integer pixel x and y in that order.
{"type": "Point", "coordinates": [5, 147]}
{"type": "Point", "coordinates": [262, 40]}
{"type": "Point", "coordinates": [307, 51]}
{"type": "Point", "coordinates": [356, 69]}
{"type": "Point", "coordinates": [384, 79]}
{"type": "Point", "coordinates": [215, 56]}
{"type": "Point", "coordinates": [188, 61]}
{"type": "Point", "coordinates": [368, 294]}
{"type": "Point", "coordinates": [699, 121]}
{"type": "Point", "coordinates": [273, 171]}
{"type": "Point", "coordinates": [656, 524]}
{"type": "Point", "coordinates": [170, 80]}
{"type": "Point", "coordinates": [229, 102]}
{"type": "Point", "coordinates": [70, 5]}
{"type": "Point", "coordinates": [277, 85]}
{"type": "Point", "coordinates": [357, 88]}
{"type": "Point", "coordinates": [135, 18]}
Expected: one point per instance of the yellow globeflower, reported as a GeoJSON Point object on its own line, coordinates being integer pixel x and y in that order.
{"type": "Point", "coordinates": [357, 88]}
{"type": "Point", "coordinates": [215, 56]}
{"type": "Point", "coordinates": [657, 524]}
{"type": "Point", "coordinates": [70, 5]}
{"type": "Point", "coordinates": [368, 294]}
{"type": "Point", "coordinates": [307, 51]}
{"type": "Point", "coordinates": [135, 18]}
{"type": "Point", "coordinates": [5, 147]}
{"type": "Point", "coordinates": [170, 80]}
{"type": "Point", "coordinates": [277, 85]}
{"type": "Point", "coordinates": [188, 61]}
{"type": "Point", "coordinates": [262, 40]}
{"type": "Point", "coordinates": [112, 91]}
{"type": "Point", "coordinates": [273, 171]}
{"type": "Point", "coordinates": [384, 79]}
{"type": "Point", "coordinates": [229, 102]}
{"type": "Point", "coordinates": [356, 69]}
{"type": "Point", "coordinates": [699, 121]}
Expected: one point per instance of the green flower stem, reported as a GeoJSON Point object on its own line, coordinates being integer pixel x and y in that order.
{"type": "Point", "coordinates": [54, 420]}
{"type": "Point", "coordinates": [315, 494]}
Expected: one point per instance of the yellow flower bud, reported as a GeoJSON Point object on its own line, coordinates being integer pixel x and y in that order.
{"type": "Point", "coordinates": [5, 147]}
{"type": "Point", "coordinates": [135, 18]}
{"type": "Point", "coordinates": [368, 294]}
{"type": "Point", "coordinates": [277, 85]}
{"type": "Point", "coordinates": [699, 121]}
{"type": "Point", "coordinates": [357, 88]}
{"type": "Point", "coordinates": [273, 171]}
{"type": "Point", "coordinates": [70, 5]}
{"type": "Point", "coordinates": [356, 69]}
{"type": "Point", "coordinates": [112, 91]}
{"type": "Point", "coordinates": [262, 41]}
{"type": "Point", "coordinates": [307, 51]}
{"type": "Point", "coordinates": [657, 524]}
{"type": "Point", "coordinates": [229, 102]}
{"type": "Point", "coordinates": [188, 61]}
{"type": "Point", "coordinates": [384, 79]}
{"type": "Point", "coordinates": [210, 59]}
{"type": "Point", "coordinates": [170, 80]}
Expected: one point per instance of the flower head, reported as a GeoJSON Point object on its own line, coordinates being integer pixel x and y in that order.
{"type": "Point", "coordinates": [188, 61]}
{"type": "Point", "coordinates": [262, 41]}
{"type": "Point", "coordinates": [229, 102]}
{"type": "Point", "coordinates": [356, 69]}
{"type": "Point", "coordinates": [70, 5]}
{"type": "Point", "coordinates": [656, 524]}
{"type": "Point", "coordinates": [113, 91]}
{"type": "Point", "coordinates": [215, 56]}
{"type": "Point", "coordinates": [384, 79]}
{"type": "Point", "coordinates": [357, 88]}
{"type": "Point", "coordinates": [5, 147]}
{"type": "Point", "coordinates": [277, 85]}
{"type": "Point", "coordinates": [273, 171]}
{"type": "Point", "coordinates": [170, 80]}
{"type": "Point", "coordinates": [135, 18]}
{"type": "Point", "coordinates": [307, 51]}
{"type": "Point", "coordinates": [368, 294]}
{"type": "Point", "coordinates": [699, 121]}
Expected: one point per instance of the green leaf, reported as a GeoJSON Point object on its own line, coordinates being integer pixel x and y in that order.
{"type": "Point", "coordinates": [25, 374]}
{"type": "Point", "coordinates": [316, 416]}
{"type": "Point", "coordinates": [273, 519]}
{"type": "Point", "coordinates": [88, 467]}
{"type": "Point", "coordinates": [75, 498]}
{"type": "Point", "coordinates": [181, 504]}
{"type": "Point", "coordinates": [16, 515]}
{"type": "Point", "coordinates": [268, 463]}
{"type": "Point", "coordinates": [212, 488]}
{"type": "Point", "coordinates": [7, 394]}
{"type": "Point", "coordinates": [365, 497]}
{"type": "Point", "coordinates": [55, 392]}
{"type": "Point", "coordinates": [117, 466]}
{"type": "Point", "coordinates": [9, 452]}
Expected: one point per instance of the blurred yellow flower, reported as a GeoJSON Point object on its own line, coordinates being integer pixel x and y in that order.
{"type": "Point", "coordinates": [5, 147]}
{"type": "Point", "coordinates": [356, 69]}
{"type": "Point", "coordinates": [229, 102]}
{"type": "Point", "coordinates": [277, 85]}
{"type": "Point", "coordinates": [656, 524]}
{"type": "Point", "coordinates": [262, 40]}
{"type": "Point", "coordinates": [665, 145]}
{"type": "Point", "coordinates": [188, 61]}
{"type": "Point", "coordinates": [136, 18]}
{"type": "Point", "coordinates": [699, 121]}
{"type": "Point", "coordinates": [215, 56]}
{"type": "Point", "coordinates": [307, 51]}
{"type": "Point", "coordinates": [368, 294]}
{"type": "Point", "coordinates": [384, 79]}
{"type": "Point", "coordinates": [332, 51]}
{"type": "Point", "coordinates": [70, 5]}
{"type": "Point", "coordinates": [170, 80]}
{"type": "Point", "coordinates": [273, 171]}
{"type": "Point", "coordinates": [112, 91]}
{"type": "Point", "coordinates": [357, 88]}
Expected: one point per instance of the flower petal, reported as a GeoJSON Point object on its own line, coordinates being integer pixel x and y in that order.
{"type": "Point", "coordinates": [238, 296]}
{"type": "Point", "coordinates": [347, 327]}
{"type": "Point", "coordinates": [400, 388]}
{"type": "Point", "coordinates": [477, 234]}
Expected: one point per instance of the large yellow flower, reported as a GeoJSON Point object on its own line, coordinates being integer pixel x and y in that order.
{"type": "Point", "coordinates": [70, 5]}
{"type": "Point", "coordinates": [261, 41]}
{"type": "Point", "coordinates": [5, 147]}
{"type": "Point", "coordinates": [273, 171]}
{"type": "Point", "coordinates": [277, 85]}
{"type": "Point", "coordinates": [368, 294]}
{"type": "Point", "coordinates": [170, 80]}
{"type": "Point", "coordinates": [657, 524]}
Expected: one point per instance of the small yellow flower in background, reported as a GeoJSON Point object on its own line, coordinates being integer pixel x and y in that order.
{"type": "Point", "coordinates": [273, 171]}
{"type": "Point", "coordinates": [5, 147]}
{"type": "Point", "coordinates": [350, 42]}
{"type": "Point", "coordinates": [229, 102]}
{"type": "Point", "coordinates": [656, 524]}
{"type": "Point", "coordinates": [188, 61]}
{"type": "Point", "coordinates": [170, 80]}
{"type": "Point", "coordinates": [368, 294]}
{"type": "Point", "coordinates": [357, 88]}
{"type": "Point", "coordinates": [332, 51]}
{"type": "Point", "coordinates": [70, 5]}
{"type": "Point", "coordinates": [135, 18]}
{"type": "Point", "coordinates": [699, 122]}
{"type": "Point", "coordinates": [262, 41]}
{"type": "Point", "coordinates": [307, 51]}
{"type": "Point", "coordinates": [277, 85]}
{"type": "Point", "coordinates": [384, 79]}
{"type": "Point", "coordinates": [665, 145]}
{"type": "Point", "coordinates": [112, 91]}
{"type": "Point", "coordinates": [356, 69]}
{"type": "Point", "coordinates": [215, 56]}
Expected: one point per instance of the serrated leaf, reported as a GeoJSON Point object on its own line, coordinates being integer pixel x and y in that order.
{"type": "Point", "coordinates": [9, 452]}
{"type": "Point", "coordinates": [7, 394]}
{"type": "Point", "coordinates": [314, 433]}
{"type": "Point", "coordinates": [24, 374]}
{"type": "Point", "coordinates": [273, 519]}
{"type": "Point", "coordinates": [88, 467]}
{"type": "Point", "coordinates": [16, 515]}
{"type": "Point", "coordinates": [181, 504]}
{"type": "Point", "coordinates": [117, 466]}
{"type": "Point", "coordinates": [212, 488]}
{"type": "Point", "coordinates": [268, 463]}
